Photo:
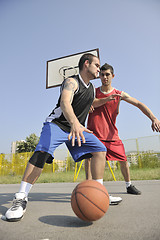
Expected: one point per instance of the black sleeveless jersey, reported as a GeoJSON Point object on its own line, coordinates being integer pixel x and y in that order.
{"type": "Point", "coordinates": [82, 101]}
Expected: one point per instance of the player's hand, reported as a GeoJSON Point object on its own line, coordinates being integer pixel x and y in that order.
{"type": "Point", "coordinates": [77, 132]}
{"type": "Point", "coordinates": [91, 110]}
{"type": "Point", "coordinates": [155, 125]}
{"type": "Point", "coordinates": [113, 97]}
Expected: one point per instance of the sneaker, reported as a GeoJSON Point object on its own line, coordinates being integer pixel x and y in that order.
{"type": "Point", "coordinates": [15, 213]}
{"type": "Point", "coordinates": [133, 190]}
{"type": "Point", "coordinates": [114, 200]}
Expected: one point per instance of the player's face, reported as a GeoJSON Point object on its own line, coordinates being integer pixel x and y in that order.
{"type": "Point", "coordinates": [94, 68]}
{"type": "Point", "coordinates": [106, 77]}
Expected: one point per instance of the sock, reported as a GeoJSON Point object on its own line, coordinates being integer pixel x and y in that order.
{"type": "Point", "coordinates": [100, 181]}
{"type": "Point", "coordinates": [128, 184]}
{"type": "Point", "coordinates": [25, 187]}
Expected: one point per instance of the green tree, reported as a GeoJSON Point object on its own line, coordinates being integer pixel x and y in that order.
{"type": "Point", "coordinates": [28, 145]}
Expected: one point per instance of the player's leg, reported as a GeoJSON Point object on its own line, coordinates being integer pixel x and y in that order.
{"type": "Point", "coordinates": [126, 174]}
{"type": "Point", "coordinates": [113, 200]}
{"type": "Point", "coordinates": [98, 171]}
{"type": "Point", "coordinates": [88, 169]}
{"type": "Point", "coordinates": [91, 166]}
{"type": "Point", "coordinates": [125, 170]}
{"type": "Point", "coordinates": [51, 137]}
{"type": "Point", "coordinates": [116, 152]}
{"type": "Point", "coordinates": [98, 161]}
{"type": "Point", "coordinates": [86, 149]}
{"type": "Point", "coordinates": [31, 174]}
{"type": "Point", "coordinates": [92, 148]}
{"type": "Point", "coordinates": [94, 169]}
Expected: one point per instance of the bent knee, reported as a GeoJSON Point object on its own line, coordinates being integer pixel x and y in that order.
{"type": "Point", "coordinates": [99, 154]}
{"type": "Point", "coordinates": [39, 158]}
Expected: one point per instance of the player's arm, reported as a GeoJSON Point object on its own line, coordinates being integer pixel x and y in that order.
{"type": "Point", "coordinates": [101, 101]}
{"type": "Point", "coordinates": [70, 86]}
{"type": "Point", "coordinates": [155, 122]}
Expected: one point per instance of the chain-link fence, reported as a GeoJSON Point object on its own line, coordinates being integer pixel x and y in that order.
{"type": "Point", "coordinates": [141, 153]}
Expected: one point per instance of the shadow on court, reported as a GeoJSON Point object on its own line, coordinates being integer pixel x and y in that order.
{"type": "Point", "coordinates": [64, 221]}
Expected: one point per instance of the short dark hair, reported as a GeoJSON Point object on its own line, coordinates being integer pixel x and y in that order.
{"type": "Point", "coordinates": [106, 66]}
{"type": "Point", "coordinates": [86, 56]}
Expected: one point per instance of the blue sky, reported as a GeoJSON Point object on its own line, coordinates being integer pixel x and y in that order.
{"type": "Point", "coordinates": [127, 33]}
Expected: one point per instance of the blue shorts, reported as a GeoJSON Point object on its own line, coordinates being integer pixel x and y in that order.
{"type": "Point", "coordinates": [52, 136]}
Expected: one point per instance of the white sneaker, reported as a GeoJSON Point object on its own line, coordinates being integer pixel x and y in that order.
{"type": "Point", "coordinates": [114, 200]}
{"type": "Point", "coordinates": [15, 213]}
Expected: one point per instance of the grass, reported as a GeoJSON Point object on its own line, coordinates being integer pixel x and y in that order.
{"type": "Point", "coordinates": [136, 174]}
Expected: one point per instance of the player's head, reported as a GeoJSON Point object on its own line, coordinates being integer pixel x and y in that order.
{"type": "Point", "coordinates": [90, 63]}
{"type": "Point", "coordinates": [106, 74]}
{"type": "Point", "coordinates": [106, 66]}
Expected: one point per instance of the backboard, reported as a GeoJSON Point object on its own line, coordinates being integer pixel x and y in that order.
{"type": "Point", "coordinates": [60, 68]}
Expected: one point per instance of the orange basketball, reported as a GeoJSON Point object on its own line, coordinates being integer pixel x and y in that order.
{"type": "Point", "coordinates": [90, 200]}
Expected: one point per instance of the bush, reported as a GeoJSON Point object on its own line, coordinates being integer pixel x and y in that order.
{"type": "Point", "coordinates": [150, 160]}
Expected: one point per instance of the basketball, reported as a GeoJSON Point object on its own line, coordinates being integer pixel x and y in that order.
{"type": "Point", "coordinates": [90, 200]}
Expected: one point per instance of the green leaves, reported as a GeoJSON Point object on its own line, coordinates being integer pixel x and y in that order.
{"type": "Point", "coordinates": [28, 145]}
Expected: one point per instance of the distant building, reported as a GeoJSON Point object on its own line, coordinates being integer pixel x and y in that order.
{"type": "Point", "coordinates": [132, 157]}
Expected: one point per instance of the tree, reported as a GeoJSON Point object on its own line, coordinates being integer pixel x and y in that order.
{"type": "Point", "coordinates": [28, 145]}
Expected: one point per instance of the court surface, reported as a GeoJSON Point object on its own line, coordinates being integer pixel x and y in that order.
{"type": "Point", "coordinates": [49, 215]}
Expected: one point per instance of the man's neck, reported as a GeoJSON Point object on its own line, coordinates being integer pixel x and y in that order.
{"type": "Point", "coordinates": [84, 77]}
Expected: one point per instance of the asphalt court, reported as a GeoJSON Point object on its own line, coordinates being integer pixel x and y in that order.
{"type": "Point", "coordinates": [49, 215]}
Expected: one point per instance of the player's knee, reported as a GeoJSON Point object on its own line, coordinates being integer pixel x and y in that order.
{"type": "Point", "coordinates": [38, 159]}
{"type": "Point", "coordinates": [100, 155]}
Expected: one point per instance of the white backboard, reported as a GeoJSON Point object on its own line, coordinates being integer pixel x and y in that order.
{"type": "Point", "coordinates": [60, 68]}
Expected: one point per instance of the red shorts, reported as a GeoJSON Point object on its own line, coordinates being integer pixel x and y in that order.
{"type": "Point", "coordinates": [115, 151]}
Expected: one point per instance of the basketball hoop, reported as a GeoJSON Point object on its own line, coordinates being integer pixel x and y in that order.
{"type": "Point", "coordinates": [67, 71]}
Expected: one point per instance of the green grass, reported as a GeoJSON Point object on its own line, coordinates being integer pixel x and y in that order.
{"type": "Point", "coordinates": [136, 174]}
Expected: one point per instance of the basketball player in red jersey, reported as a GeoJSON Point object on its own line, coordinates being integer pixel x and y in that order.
{"type": "Point", "coordinates": [102, 121]}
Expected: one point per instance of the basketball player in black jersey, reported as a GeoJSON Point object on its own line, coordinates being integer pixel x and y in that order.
{"type": "Point", "coordinates": [66, 124]}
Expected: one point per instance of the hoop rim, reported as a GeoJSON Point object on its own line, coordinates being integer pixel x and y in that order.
{"type": "Point", "coordinates": [68, 68]}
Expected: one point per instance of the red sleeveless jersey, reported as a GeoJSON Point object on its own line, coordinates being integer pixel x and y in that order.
{"type": "Point", "coordinates": [103, 120]}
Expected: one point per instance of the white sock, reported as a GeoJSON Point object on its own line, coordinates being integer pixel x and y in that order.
{"type": "Point", "coordinates": [25, 187]}
{"type": "Point", "coordinates": [128, 184]}
{"type": "Point", "coordinates": [100, 181]}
